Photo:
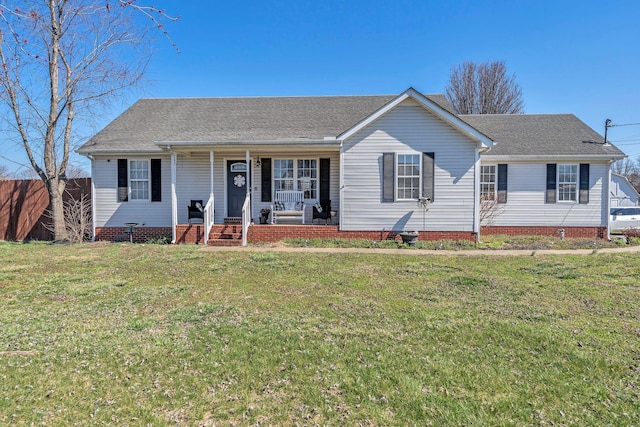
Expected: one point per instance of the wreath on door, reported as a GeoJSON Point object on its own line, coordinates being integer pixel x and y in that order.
{"type": "Point", "coordinates": [239, 180]}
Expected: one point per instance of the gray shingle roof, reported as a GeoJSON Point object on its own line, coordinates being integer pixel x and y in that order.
{"type": "Point", "coordinates": [258, 119]}
{"type": "Point", "coordinates": [234, 120]}
{"type": "Point", "coordinates": [540, 134]}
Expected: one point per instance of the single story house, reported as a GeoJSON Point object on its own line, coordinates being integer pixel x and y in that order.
{"type": "Point", "coordinates": [623, 193]}
{"type": "Point", "coordinates": [387, 164]}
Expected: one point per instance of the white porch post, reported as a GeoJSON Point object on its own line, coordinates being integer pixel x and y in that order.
{"type": "Point", "coordinates": [248, 160]}
{"type": "Point", "coordinates": [211, 159]}
{"type": "Point", "coordinates": [174, 199]}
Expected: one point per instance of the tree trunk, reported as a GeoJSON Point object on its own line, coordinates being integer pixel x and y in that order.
{"type": "Point", "coordinates": [56, 187]}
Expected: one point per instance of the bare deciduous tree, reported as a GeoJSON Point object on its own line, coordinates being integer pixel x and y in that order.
{"type": "Point", "coordinates": [484, 88]}
{"type": "Point", "coordinates": [75, 171]}
{"type": "Point", "coordinates": [4, 172]}
{"type": "Point", "coordinates": [60, 60]}
{"type": "Point", "coordinates": [629, 169]}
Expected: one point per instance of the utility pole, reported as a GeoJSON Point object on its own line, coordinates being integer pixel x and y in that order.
{"type": "Point", "coordinates": [607, 125]}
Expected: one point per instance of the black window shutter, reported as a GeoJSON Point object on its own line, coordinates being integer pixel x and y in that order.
{"type": "Point", "coordinates": [388, 177]}
{"type": "Point", "coordinates": [550, 195]}
{"type": "Point", "coordinates": [156, 180]}
{"type": "Point", "coordinates": [265, 179]}
{"type": "Point", "coordinates": [502, 182]}
{"type": "Point", "coordinates": [428, 175]}
{"type": "Point", "coordinates": [325, 180]}
{"type": "Point", "coordinates": [584, 183]}
{"type": "Point", "coordinates": [123, 184]}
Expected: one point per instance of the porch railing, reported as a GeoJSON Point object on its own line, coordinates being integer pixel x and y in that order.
{"type": "Point", "coordinates": [246, 218]}
{"type": "Point", "coordinates": [208, 219]}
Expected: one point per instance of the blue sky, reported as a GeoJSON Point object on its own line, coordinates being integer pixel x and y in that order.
{"type": "Point", "coordinates": [577, 57]}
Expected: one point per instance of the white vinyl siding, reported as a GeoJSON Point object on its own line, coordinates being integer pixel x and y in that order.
{"type": "Point", "coordinates": [193, 182]}
{"type": "Point", "coordinates": [111, 213]}
{"type": "Point", "coordinates": [527, 207]}
{"type": "Point", "coordinates": [408, 128]}
{"type": "Point", "coordinates": [622, 192]}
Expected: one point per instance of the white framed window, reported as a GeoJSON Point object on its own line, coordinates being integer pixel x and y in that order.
{"type": "Point", "coordinates": [407, 176]}
{"type": "Point", "coordinates": [296, 174]}
{"type": "Point", "coordinates": [283, 174]}
{"type": "Point", "coordinates": [567, 182]}
{"type": "Point", "coordinates": [139, 180]}
{"type": "Point", "coordinates": [307, 173]}
{"type": "Point", "coordinates": [488, 182]}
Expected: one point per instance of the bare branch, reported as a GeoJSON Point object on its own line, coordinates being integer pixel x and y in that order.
{"type": "Point", "coordinates": [490, 209]}
{"type": "Point", "coordinates": [629, 169]}
{"type": "Point", "coordinates": [484, 88]}
{"type": "Point", "coordinates": [59, 60]}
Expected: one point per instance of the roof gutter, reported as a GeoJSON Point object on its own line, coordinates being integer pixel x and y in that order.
{"type": "Point", "coordinates": [553, 158]}
{"type": "Point", "coordinates": [327, 142]}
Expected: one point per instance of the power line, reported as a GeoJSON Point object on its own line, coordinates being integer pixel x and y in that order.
{"type": "Point", "coordinates": [626, 140]}
{"type": "Point", "coordinates": [625, 124]}
{"type": "Point", "coordinates": [628, 143]}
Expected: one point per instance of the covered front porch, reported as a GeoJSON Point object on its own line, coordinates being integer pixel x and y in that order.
{"type": "Point", "coordinates": [223, 194]}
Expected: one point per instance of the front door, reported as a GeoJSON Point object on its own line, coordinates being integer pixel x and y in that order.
{"type": "Point", "coordinates": [236, 187]}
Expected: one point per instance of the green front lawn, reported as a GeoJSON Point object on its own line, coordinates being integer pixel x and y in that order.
{"type": "Point", "coordinates": [120, 334]}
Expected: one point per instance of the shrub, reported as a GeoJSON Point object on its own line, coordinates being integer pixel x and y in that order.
{"type": "Point", "coordinates": [164, 240]}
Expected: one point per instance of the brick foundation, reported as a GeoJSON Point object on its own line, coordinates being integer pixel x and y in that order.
{"type": "Point", "coordinates": [570, 232]}
{"type": "Point", "coordinates": [194, 233]}
{"type": "Point", "coordinates": [140, 234]}
{"type": "Point", "coordinates": [190, 233]}
{"type": "Point", "coordinates": [274, 233]}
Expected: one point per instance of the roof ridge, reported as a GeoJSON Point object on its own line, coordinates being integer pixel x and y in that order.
{"type": "Point", "coordinates": [274, 97]}
{"type": "Point", "coordinates": [517, 115]}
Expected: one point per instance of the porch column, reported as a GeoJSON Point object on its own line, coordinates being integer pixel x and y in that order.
{"type": "Point", "coordinates": [248, 160]}
{"type": "Point", "coordinates": [174, 199]}
{"type": "Point", "coordinates": [211, 158]}
{"type": "Point", "coordinates": [249, 171]}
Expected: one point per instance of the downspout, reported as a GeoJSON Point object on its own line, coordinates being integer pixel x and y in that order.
{"type": "Point", "coordinates": [174, 200]}
{"type": "Point", "coordinates": [607, 202]}
{"type": "Point", "coordinates": [476, 196]}
{"type": "Point", "coordinates": [93, 199]}
{"type": "Point", "coordinates": [341, 191]}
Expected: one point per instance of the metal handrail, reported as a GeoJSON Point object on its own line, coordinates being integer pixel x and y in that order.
{"type": "Point", "coordinates": [208, 219]}
{"type": "Point", "coordinates": [246, 218]}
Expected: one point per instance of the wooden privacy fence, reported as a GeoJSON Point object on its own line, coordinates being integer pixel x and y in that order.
{"type": "Point", "coordinates": [24, 204]}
